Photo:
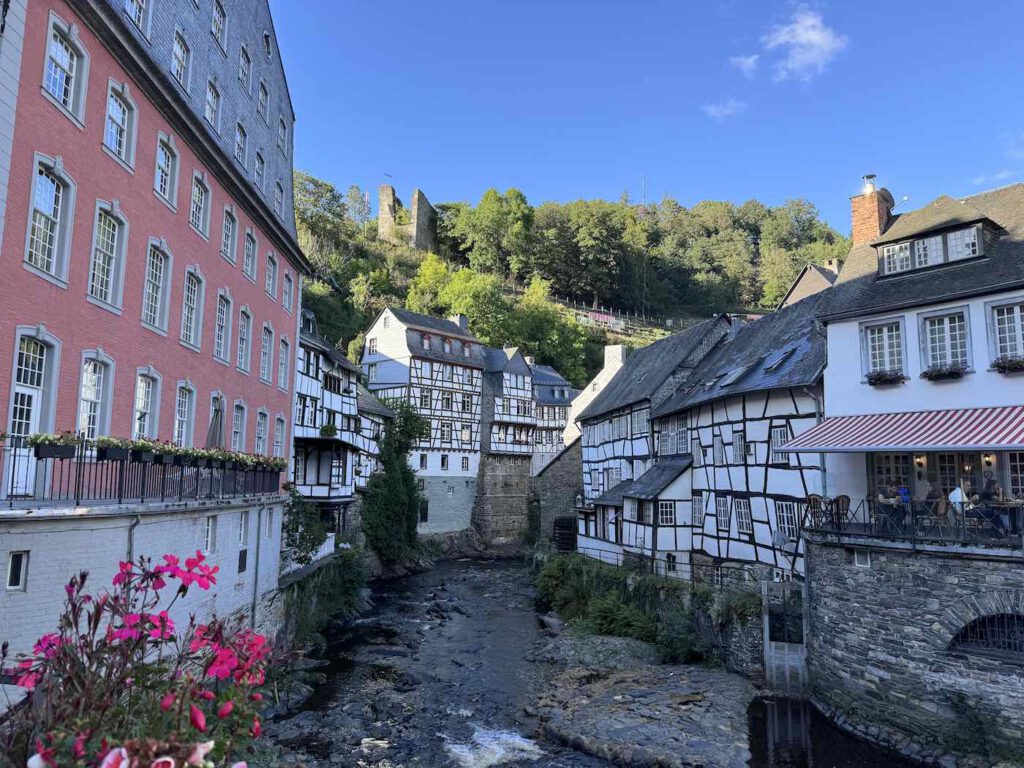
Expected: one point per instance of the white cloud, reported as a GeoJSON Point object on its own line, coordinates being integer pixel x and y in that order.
{"type": "Point", "coordinates": [720, 110]}
{"type": "Point", "coordinates": [746, 64]}
{"type": "Point", "coordinates": [993, 178]}
{"type": "Point", "coordinates": [808, 43]}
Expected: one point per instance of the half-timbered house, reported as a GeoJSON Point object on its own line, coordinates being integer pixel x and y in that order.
{"type": "Point", "coordinates": [617, 440]}
{"type": "Point", "coordinates": [552, 398]}
{"type": "Point", "coordinates": [437, 366]}
{"type": "Point", "coordinates": [374, 417]}
{"type": "Point", "coordinates": [326, 423]}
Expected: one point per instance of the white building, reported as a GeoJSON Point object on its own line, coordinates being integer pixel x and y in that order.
{"type": "Point", "coordinates": [552, 399]}
{"type": "Point", "coordinates": [921, 389]}
{"type": "Point", "coordinates": [326, 430]}
{"type": "Point", "coordinates": [617, 440]}
{"type": "Point", "coordinates": [508, 422]}
{"type": "Point", "coordinates": [374, 417]}
{"type": "Point", "coordinates": [437, 366]}
{"type": "Point", "coordinates": [614, 359]}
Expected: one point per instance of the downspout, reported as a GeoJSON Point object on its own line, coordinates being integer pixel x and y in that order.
{"type": "Point", "coordinates": [131, 537]}
{"type": "Point", "coordinates": [256, 568]}
{"type": "Point", "coordinates": [819, 416]}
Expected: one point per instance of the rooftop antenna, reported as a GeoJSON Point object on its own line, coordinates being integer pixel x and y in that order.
{"type": "Point", "coordinates": [902, 200]}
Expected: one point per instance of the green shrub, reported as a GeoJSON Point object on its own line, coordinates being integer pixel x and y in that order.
{"type": "Point", "coordinates": [612, 616]}
{"type": "Point", "coordinates": [677, 639]}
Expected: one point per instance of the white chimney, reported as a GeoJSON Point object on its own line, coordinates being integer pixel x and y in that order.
{"type": "Point", "coordinates": [460, 320]}
{"type": "Point", "coordinates": [530, 360]}
{"type": "Point", "coordinates": [614, 355]}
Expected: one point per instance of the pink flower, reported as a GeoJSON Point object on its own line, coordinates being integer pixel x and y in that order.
{"type": "Point", "coordinates": [256, 728]}
{"type": "Point", "coordinates": [116, 758]}
{"type": "Point", "coordinates": [163, 627]}
{"type": "Point", "coordinates": [225, 709]}
{"type": "Point", "coordinates": [207, 695]}
{"type": "Point", "coordinates": [199, 753]}
{"type": "Point", "coordinates": [124, 572]}
{"type": "Point", "coordinates": [163, 762]}
{"type": "Point", "coordinates": [167, 701]}
{"type": "Point", "coordinates": [241, 764]}
{"type": "Point", "coordinates": [196, 718]}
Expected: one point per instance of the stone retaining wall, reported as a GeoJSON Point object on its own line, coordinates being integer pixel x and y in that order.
{"type": "Point", "coordinates": [881, 655]}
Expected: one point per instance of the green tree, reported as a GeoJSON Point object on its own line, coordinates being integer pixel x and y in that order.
{"type": "Point", "coordinates": [497, 232]}
{"type": "Point", "coordinates": [481, 299]}
{"type": "Point", "coordinates": [425, 289]}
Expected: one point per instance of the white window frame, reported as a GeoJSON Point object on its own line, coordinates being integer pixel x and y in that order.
{"type": "Point", "coordinates": [267, 347]}
{"type": "Point", "coordinates": [279, 433]}
{"type": "Point", "coordinates": [666, 512]}
{"type": "Point", "coordinates": [278, 198]}
{"type": "Point", "coordinates": [718, 451]}
{"type": "Point", "coordinates": [697, 510]}
{"type": "Point", "coordinates": [163, 299]}
{"type": "Point", "coordinates": [114, 300]}
{"type": "Point", "coordinates": [924, 321]}
{"type": "Point", "coordinates": [126, 157]}
{"type": "Point", "coordinates": [739, 447]}
{"type": "Point", "coordinates": [779, 456]}
{"type": "Point", "coordinates": [284, 362]}
{"type": "Point", "coordinates": [222, 347]}
{"type": "Point", "coordinates": [186, 75]}
{"type": "Point", "coordinates": [245, 70]}
{"type": "Point", "coordinates": [54, 167]}
{"type": "Point", "coordinates": [250, 257]}
{"type": "Point", "coordinates": [238, 429]}
{"type": "Point", "coordinates": [259, 172]}
{"type": "Point", "coordinates": [282, 135]}
{"type": "Point", "coordinates": [744, 517]}
{"type": "Point", "coordinates": [202, 226]}
{"type": "Point", "coordinates": [896, 258]}
{"type": "Point", "coordinates": [74, 110]}
{"type": "Point", "coordinates": [270, 277]}
{"type": "Point", "coordinates": [787, 519]}
{"type": "Point", "coordinates": [152, 430]}
{"type": "Point", "coordinates": [192, 338]}
{"type": "Point", "coordinates": [262, 434]}
{"type": "Point", "coordinates": [104, 399]}
{"type": "Point", "coordinates": [241, 144]}
{"type": "Point", "coordinates": [263, 102]}
{"type": "Point", "coordinates": [865, 341]}
{"type": "Point", "coordinates": [219, 24]}
{"type": "Point", "coordinates": [1016, 306]}
{"type": "Point", "coordinates": [139, 12]}
{"type": "Point", "coordinates": [212, 105]}
{"type": "Point", "coordinates": [229, 238]}
{"type": "Point", "coordinates": [722, 513]}
{"type": "Point", "coordinates": [171, 198]}
{"type": "Point", "coordinates": [287, 292]}
{"type": "Point", "coordinates": [210, 535]}
{"type": "Point", "coordinates": [243, 359]}
{"type": "Point", "coordinates": [22, 584]}
{"type": "Point", "coordinates": [183, 427]}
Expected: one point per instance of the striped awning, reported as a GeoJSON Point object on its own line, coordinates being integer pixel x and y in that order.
{"type": "Point", "coordinates": [978, 429]}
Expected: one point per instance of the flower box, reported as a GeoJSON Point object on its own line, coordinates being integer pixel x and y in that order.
{"type": "Point", "coordinates": [215, 463]}
{"type": "Point", "coordinates": [885, 378]}
{"type": "Point", "coordinates": [55, 451]}
{"type": "Point", "coordinates": [181, 460]}
{"type": "Point", "coordinates": [142, 457]}
{"type": "Point", "coordinates": [163, 458]}
{"type": "Point", "coordinates": [111, 453]}
{"type": "Point", "coordinates": [1008, 364]}
{"type": "Point", "coordinates": [944, 373]}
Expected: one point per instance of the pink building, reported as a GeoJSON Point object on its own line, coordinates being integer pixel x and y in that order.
{"type": "Point", "coordinates": [151, 273]}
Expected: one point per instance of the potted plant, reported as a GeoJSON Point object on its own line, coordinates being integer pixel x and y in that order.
{"type": "Point", "coordinates": [944, 372]}
{"type": "Point", "coordinates": [54, 446]}
{"type": "Point", "coordinates": [112, 449]}
{"type": "Point", "coordinates": [142, 451]}
{"type": "Point", "coordinates": [165, 452]}
{"type": "Point", "coordinates": [885, 378]}
{"type": "Point", "coordinates": [328, 430]}
{"type": "Point", "coordinates": [1008, 364]}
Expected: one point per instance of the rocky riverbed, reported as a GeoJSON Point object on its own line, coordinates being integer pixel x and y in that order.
{"type": "Point", "coordinates": [452, 668]}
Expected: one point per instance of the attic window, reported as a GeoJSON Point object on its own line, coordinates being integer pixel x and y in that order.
{"type": "Point", "coordinates": [778, 360]}
{"type": "Point", "coordinates": [735, 375]}
{"type": "Point", "coordinates": [934, 250]}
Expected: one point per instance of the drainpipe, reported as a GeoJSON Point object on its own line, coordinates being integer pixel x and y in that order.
{"type": "Point", "coordinates": [256, 568]}
{"type": "Point", "coordinates": [819, 416]}
{"type": "Point", "coordinates": [131, 536]}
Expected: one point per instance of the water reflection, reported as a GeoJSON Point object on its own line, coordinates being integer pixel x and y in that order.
{"type": "Point", "coordinates": [787, 733]}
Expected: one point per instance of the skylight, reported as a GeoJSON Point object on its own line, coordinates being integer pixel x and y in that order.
{"type": "Point", "coordinates": [736, 374]}
{"type": "Point", "coordinates": [778, 360]}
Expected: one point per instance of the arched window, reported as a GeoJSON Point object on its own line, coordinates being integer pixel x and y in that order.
{"type": "Point", "coordinates": [184, 414]}
{"type": "Point", "coordinates": [94, 394]}
{"type": "Point", "coordinates": [67, 69]}
{"type": "Point", "coordinates": [1001, 634]}
{"type": "Point", "coordinates": [238, 427]}
{"type": "Point", "coordinates": [244, 332]}
{"type": "Point", "coordinates": [106, 267]}
{"type": "Point", "coordinates": [144, 423]}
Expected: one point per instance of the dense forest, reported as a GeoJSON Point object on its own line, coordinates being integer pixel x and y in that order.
{"type": "Point", "coordinates": [660, 259]}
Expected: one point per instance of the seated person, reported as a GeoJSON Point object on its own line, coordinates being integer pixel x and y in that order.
{"type": "Point", "coordinates": [986, 510]}
{"type": "Point", "coordinates": [890, 510]}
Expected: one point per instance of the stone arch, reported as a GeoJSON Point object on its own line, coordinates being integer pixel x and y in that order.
{"type": "Point", "coordinates": [958, 615]}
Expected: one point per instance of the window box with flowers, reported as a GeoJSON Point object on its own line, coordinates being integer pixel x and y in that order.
{"type": "Point", "coordinates": [1008, 364]}
{"type": "Point", "coordinates": [54, 446]}
{"type": "Point", "coordinates": [328, 431]}
{"type": "Point", "coordinates": [885, 378]}
{"type": "Point", "coordinates": [944, 372]}
{"type": "Point", "coordinates": [112, 449]}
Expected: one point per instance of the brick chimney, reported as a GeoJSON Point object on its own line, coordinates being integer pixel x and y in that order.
{"type": "Point", "coordinates": [870, 212]}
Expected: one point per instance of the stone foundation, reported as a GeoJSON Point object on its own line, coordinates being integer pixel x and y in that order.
{"type": "Point", "coordinates": [556, 488]}
{"type": "Point", "coordinates": [501, 508]}
{"type": "Point", "coordinates": [882, 654]}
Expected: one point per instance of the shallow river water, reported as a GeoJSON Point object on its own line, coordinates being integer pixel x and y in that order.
{"type": "Point", "coordinates": [438, 674]}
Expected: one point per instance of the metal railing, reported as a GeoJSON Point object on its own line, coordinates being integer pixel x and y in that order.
{"type": "Point", "coordinates": [988, 523]}
{"type": "Point", "coordinates": [89, 477]}
{"type": "Point", "coordinates": [722, 577]}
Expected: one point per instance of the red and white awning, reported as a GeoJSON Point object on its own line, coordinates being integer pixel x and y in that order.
{"type": "Point", "coordinates": [979, 429]}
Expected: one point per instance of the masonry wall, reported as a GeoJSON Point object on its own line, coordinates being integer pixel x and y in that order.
{"type": "Point", "coordinates": [879, 650]}
{"type": "Point", "coordinates": [61, 544]}
{"type": "Point", "coordinates": [450, 503]}
{"type": "Point", "coordinates": [501, 512]}
{"type": "Point", "coordinates": [556, 488]}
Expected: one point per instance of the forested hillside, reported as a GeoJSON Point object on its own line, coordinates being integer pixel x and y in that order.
{"type": "Point", "coordinates": [662, 259]}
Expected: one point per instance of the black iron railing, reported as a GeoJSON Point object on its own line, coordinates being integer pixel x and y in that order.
{"type": "Point", "coordinates": [989, 523]}
{"type": "Point", "coordinates": [90, 477]}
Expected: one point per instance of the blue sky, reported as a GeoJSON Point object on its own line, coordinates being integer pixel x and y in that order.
{"type": "Point", "coordinates": [727, 99]}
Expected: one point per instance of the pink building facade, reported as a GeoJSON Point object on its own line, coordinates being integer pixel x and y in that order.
{"type": "Point", "coordinates": [132, 263]}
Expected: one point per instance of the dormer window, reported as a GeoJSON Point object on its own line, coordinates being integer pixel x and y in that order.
{"type": "Point", "coordinates": [448, 346]}
{"type": "Point", "coordinates": [930, 251]}
{"type": "Point", "coordinates": [426, 342]}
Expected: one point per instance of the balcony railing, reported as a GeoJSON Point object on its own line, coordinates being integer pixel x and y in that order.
{"type": "Point", "coordinates": [88, 477]}
{"type": "Point", "coordinates": [985, 523]}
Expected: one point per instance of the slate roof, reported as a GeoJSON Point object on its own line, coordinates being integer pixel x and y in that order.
{"type": "Point", "coordinates": [319, 342]}
{"type": "Point", "coordinates": [647, 369]}
{"type": "Point", "coordinates": [658, 478]}
{"type": "Point", "coordinates": [1000, 268]}
{"type": "Point", "coordinates": [788, 335]}
{"type": "Point", "coordinates": [545, 381]}
{"type": "Point", "coordinates": [545, 374]}
{"type": "Point", "coordinates": [614, 495]}
{"type": "Point", "coordinates": [367, 403]}
{"type": "Point", "coordinates": [430, 323]}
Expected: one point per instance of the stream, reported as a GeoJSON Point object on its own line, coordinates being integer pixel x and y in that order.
{"type": "Point", "coordinates": [444, 672]}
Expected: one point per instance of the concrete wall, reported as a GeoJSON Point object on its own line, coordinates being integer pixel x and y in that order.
{"type": "Point", "coordinates": [879, 650]}
{"type": "Point", "coordinates": [62, 543]}
{"type": "Point", "coordinates": [450, 502]}
{"type": "Point", "coordinates": [557, 486]}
